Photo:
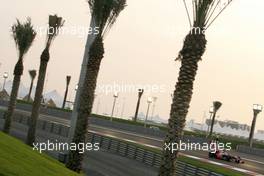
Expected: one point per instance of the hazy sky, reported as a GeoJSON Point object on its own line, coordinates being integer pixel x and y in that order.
{"type": "Point", "coordinates": [141, 48]}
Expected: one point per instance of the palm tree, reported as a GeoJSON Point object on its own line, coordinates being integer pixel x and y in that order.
{"type": "Point", "coordinates": [217, 105]}
{"type": "Point", "coordinates": [32, 74]}
{"type": "Point", "coordinates": [68, 79]}
{"type": "Point", "coordinates": [24, 35]}
{"type": "Point", "coordinates": [204, 13]}
{"type": "Point", "coordinates": [104, 13]}
{"type": "Point", "coordinates": [140, 93]}
{"type": "Point", "coordinates": [55, 23]}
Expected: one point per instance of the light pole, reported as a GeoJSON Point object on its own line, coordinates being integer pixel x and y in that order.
{"type": "Point", "coordinates": [5, 77]}
{"type": "Point", "coordinates": [217, 105]}
{"type": "Point", "coordinates": [256, 110]}
{"type": "Point", "coordinates": [115, 97]}
{"type": "Point", "coordinates": [153, 106]}
{"type": "Point", "coordinates": [76, 87]}
{"type": "Point", "coordinates": [117, 108]}
{"type": "Point", "coordinates": [149, 101]}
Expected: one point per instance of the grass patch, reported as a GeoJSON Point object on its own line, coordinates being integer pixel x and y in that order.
{"type": "Point", "coordinates": [18, 159]}
{"type": "Point", "coordinates": [210, 167]}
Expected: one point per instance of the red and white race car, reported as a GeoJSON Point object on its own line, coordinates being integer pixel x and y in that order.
{"type": "Point", "coordinates": [223, 155]}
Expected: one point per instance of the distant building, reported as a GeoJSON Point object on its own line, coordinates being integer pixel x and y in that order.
{"type": "Point", "coordinates": [230, 123]}
{"type": "Point", "coordinates": [51, 103]}
{"type": "Point", "coordinates": [245, 127]}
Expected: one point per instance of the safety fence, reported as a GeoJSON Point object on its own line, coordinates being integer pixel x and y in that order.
{"type": "Point", "coordinates": [116, 146]}
{"type": "Point", "coordinates": [145, 156]}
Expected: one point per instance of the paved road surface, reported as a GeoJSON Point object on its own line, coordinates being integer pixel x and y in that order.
{"type": "Point", "coordinates": [253, 163]}
{"type": "Point", "coordinates": [96, 163]}
{"type": "Point", "coordinates": [116, 166]}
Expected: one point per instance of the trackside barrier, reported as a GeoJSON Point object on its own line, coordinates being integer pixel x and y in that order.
{"type": "Point", "coordinates": [145, 156]}
{"type": "Point", "coordinates": [252, 151]}
{"type": "Point", "coordinates": [117, 147]}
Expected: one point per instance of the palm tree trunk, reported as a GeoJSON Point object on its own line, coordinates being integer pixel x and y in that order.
{"type": "Point", "coordinates": [30, 90]}
{"type": "Point", "coordinates": [137, 108]}
{"type": "Point", "coordinates": [89, 42]}
{"type": "Point", "coordinates": [65, 97]}
{"type": "Point", "coordinates": [38, 97]}
{"type": "Point", "coordinates": [87, 97]}
{"type": "Point", "coordinates": [193, 49]}
{"type": "Point", "coordinates": [18, 71]}
{"type": "Point", "coordinates": [212, 125]}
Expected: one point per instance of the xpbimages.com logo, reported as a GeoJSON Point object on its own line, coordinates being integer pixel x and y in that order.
{"type": "Point", "coordinates": [60, 146]}
{"type": "Point", "coordinates": [191, 146]}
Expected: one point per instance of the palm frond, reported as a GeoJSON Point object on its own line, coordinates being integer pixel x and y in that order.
{"type": "Point", "coordinates": [32, 73]}
{"type": "Point", "coordinates": [105, 13]}
{"type": "Point", "coordinates": [55, 23]}
{"type": "Point", "coordinates": [205, 12]}
{"type": "Point", "coordinates": [217, 105]}
{"type": "Point", "coordinates": [24, 35]}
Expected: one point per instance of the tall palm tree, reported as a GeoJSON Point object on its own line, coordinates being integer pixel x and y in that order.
{"type": "Point", "coordinates": [216, 105]}
{"type": "Point", "coordinates": [55, 23]}
{"type": "Point", "coordinates": [68, 79]}
{"type": "Point", "coordinates": [204, 13]}
{"type": "Point", "coordinates": [140, 93]}
{"type": "Point", "coordinates": [104, 13]}
{"type": "Point", "coordinates": [32, 74]}
{"type": "Point", "coordinates": [24, 35]}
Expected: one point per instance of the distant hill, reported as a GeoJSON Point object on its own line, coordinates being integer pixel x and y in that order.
{"type": "Point", "coordinates": [23, 91]}
{"type": "Point", "coordinates": [55, 96]}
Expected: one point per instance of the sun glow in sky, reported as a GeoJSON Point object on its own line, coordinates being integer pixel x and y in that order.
{"type": "Point", "coordinates": [141, 48]}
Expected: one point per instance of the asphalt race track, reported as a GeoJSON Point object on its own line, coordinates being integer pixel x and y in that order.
{"type": "Point", "coordinates": [252, 163]}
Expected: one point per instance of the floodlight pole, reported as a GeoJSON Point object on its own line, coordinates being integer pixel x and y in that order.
{"type": "Point", "coordinates": [146, 119]}
{"type": "Point", "coordinates": [5, 77]}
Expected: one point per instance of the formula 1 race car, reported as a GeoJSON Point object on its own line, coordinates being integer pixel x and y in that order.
{"type": "Point", "coordinates": [223, 155]}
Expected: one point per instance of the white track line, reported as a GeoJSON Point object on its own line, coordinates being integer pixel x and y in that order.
{"type": "Point", "coordinates": [254, 161]}
{"type": "Point", "coordinates": [189, 156]}
{"type": "Point", "coordinates": [146, 137]}
{"type": "Point", "coordinates": [128, 133]}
